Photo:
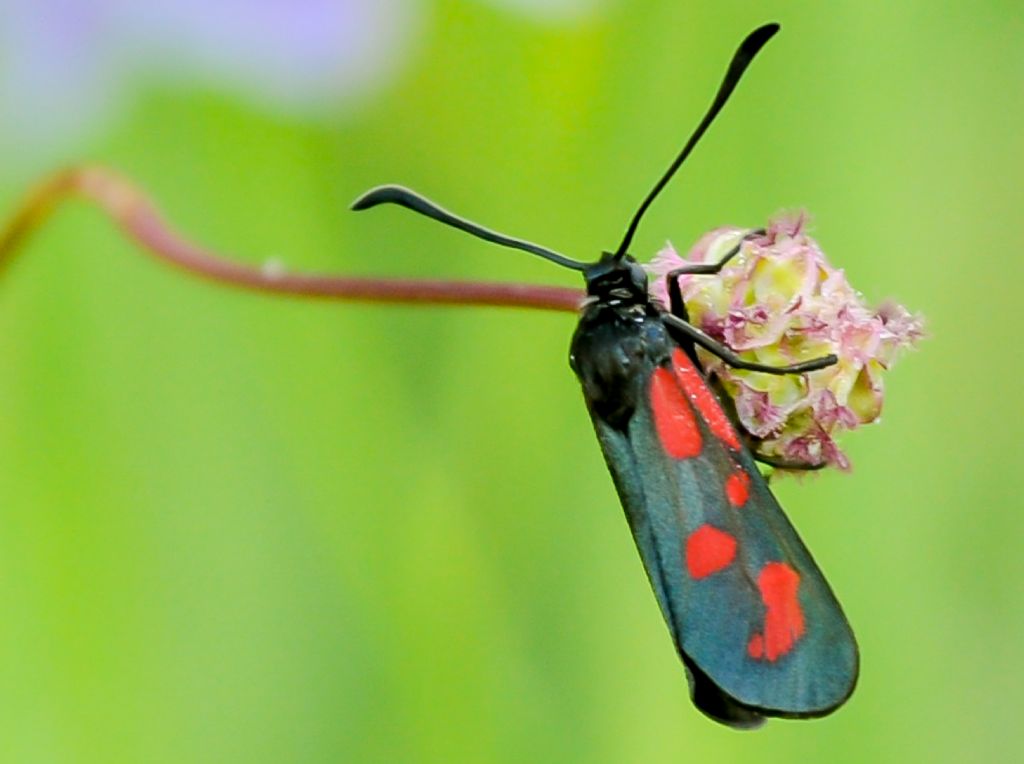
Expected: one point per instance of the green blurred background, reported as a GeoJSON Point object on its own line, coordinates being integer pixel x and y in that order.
{"type": "Point", "coordinates": [240, 528]}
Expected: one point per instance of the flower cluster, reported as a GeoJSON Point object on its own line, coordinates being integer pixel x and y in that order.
{"type": "Point", "coordinates": [778, 302]}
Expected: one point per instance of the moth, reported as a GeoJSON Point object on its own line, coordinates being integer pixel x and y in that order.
{"type": "Point", "coordinates": [754, 621]}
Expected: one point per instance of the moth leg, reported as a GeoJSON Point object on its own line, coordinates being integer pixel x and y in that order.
{"type": "Point", "coordinates": [753, 443]}
{"type": "Point", "coordinates": [786, 464]}
{"type": "Point", "coordinates": [675, 295]}
{"type": "Point", "coordinates": [716, 348]}
{"type": "Point", "coordinates": [678, 318]}
{"type": "Point", "coordinates": [783, 464]}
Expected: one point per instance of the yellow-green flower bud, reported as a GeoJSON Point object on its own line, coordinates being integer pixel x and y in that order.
{"type": "Point", "coordinates": [778, 301]}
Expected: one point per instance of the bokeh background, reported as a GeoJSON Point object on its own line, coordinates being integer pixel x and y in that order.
{"type": "Point", "coordinates": [241, 528]}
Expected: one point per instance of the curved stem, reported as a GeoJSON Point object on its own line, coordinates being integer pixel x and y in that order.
{"type": "Point", "coordinates": [138, 218]}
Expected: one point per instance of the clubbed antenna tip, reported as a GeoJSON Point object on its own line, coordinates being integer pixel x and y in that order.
{"type": "Point", "coordinates": [409, 199]}
{"type": "Point", "coordinates": [740, 60]}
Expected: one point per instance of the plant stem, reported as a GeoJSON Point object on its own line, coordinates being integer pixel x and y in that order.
{"type": "Point", "coordinates": [130, 209]}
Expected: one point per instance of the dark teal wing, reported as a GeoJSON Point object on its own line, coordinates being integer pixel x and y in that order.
{"type": "Point", "coordinates": [750, 612]}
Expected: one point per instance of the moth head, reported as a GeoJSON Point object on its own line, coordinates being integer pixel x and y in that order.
{"type": "Point", "coordinates": [617, 278]}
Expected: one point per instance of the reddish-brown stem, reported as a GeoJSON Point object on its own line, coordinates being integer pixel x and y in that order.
{"type": "Point", "coordinates": [139, 219]}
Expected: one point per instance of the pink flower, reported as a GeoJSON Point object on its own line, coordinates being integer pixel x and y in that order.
{"type": "Point", "coordinates": [779, 301]}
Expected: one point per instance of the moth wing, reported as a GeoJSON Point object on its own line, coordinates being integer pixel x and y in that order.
{"type": "Point", "coordinates": [749, 610]}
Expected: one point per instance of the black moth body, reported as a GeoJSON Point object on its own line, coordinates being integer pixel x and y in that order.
{"type": "Point", "coordinates": [622, 340]}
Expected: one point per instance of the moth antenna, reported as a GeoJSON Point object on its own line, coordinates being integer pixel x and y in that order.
{"type": "Point", "coordinates": [740, 60]}
{"type": "Point", "coordinates": [404, 197]}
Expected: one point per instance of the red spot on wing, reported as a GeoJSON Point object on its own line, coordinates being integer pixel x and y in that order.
{"type": "Point", "coordinates": [709, 550]}
{"type": "Point", "coordinates": [737, 488]}
{"type": "Point", "coordinates": [783, 618]}
{"type": "Point", "coordinates": [698, 391]}
{"type": "Point", "coordinates": [673, 418]}
{"type": "Point", "coordinates": [755, 647]}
